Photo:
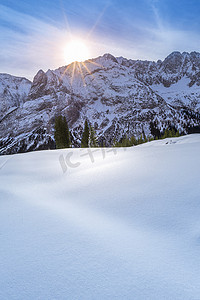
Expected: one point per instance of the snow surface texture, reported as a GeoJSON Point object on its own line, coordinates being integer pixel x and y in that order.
{"type": "Point", "coordinates": [118, 224]}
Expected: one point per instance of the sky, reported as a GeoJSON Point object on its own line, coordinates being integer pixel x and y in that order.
{"type": "Point", "coordinates": [34, 33]}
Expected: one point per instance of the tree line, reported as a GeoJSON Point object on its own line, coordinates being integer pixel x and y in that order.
{"type": "Point", "coordinates": [63, 136]}
{"type": "Point", "coordinates": [133, 141]}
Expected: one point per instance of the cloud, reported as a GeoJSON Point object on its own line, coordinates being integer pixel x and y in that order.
{"type": "Point", "coordinates": [152, 38]}
{"type": "Point", "coordinates": [165, 37]}
{"type": "Point", "coordinates": [29, 44]}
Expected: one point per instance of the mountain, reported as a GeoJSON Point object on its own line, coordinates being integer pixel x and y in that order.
{"type": "Point", "coordinates": [176, 79]}
{"type": "Point", "coordinates": [13, 92]}
{"type": "Point", "coordinates": [118, 96]}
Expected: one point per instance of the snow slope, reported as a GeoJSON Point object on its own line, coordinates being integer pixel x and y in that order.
{"type": "Point", "coordinates": [112, 224]}
{"type": "Point", "coordinates": [180, 94]}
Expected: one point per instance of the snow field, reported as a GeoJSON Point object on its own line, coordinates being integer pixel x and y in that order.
{"type": "Point", "coordinates": [120, 224]}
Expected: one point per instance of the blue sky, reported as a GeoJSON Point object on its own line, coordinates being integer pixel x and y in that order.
{"type": "Point", "coordinates": [34, 33]}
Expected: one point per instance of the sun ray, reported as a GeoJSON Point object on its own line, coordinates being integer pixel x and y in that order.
{"type": "Point", "coordinates": [76, 44]}
{"type": "Point", "coordinates": [98, 20]}
{"type": "Point", "coordinates": [66, 19]}
{"type": "Point", "coordinates": [95, 63]}
{"type": "Point", "coordinates": [79, 64]}
{"type": "Point", "coordinates": [81, 72]}
{"type": "Point", "coordinates": [84, 65]}
{"type": "Point", "coordinates": [73, 71]}
{"type": "Point", "coordinates": [65, 71]}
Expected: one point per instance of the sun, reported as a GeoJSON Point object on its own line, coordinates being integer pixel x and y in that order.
{"type": "Point", "coordinates": [76, 50]}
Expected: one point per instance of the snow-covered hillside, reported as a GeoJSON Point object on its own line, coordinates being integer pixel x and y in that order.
{"type": "Point", "coordinates": [108, 224]}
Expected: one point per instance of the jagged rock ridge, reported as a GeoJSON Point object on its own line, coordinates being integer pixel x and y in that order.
{"type": "Point", "coordinates": [118, 96]}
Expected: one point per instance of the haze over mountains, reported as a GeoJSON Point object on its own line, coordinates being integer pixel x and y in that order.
{"type": "Point", "coordinates": [118, 96]}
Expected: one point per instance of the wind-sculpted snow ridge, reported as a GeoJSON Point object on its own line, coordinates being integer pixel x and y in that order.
{"type": "Point", "coordinates": [108, 224]}
{"type": "Point", "coordinates": [119, 97]}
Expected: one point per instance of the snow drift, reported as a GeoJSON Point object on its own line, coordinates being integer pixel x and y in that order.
{"type": "Point", "coordinates": [102, 223]}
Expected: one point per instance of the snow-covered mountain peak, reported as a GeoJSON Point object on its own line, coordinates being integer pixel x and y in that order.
{"type": "Point", "coordinates": [109, 56]}
{"type": "Point", "coordinates": [13, 92]}
{"type": "Point", "coordinates": [118, 96]}
{"type": "Point", "coordinates": [173, 62]}
{"type": "Point", "coordinates": [38, 86]}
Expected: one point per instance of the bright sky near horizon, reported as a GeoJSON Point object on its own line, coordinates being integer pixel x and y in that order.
{"type": "Point", "coordinates": [34, 34]}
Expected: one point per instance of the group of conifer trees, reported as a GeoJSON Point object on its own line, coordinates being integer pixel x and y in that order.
{"type": "Point", "coordinates": [128, 142]}
{"type": "Point", "coordinates": [133, 141]}
{"type": "Point", "coordinates": [62, 136]}
{"type": "Point", "coordinates": [89, 138]}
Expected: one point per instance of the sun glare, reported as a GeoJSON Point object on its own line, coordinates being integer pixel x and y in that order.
{"type": "Point", "coordinates": [76, 50]}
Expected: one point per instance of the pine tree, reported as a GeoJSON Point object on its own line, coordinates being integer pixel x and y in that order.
{"type": "Point", "coordinates": [173, 133]}
{"type": "Point", "coordinates": [155, 130]}
{"type": "Point", "coordinates": [66, 133]}
{"type": "Point", "coordinates": [85, 136]}
{"type": "Point", "coordinates": [125, 142]}
{"type": "Point", "coordinates": [166, 134]}
{"type": "Point", "coordinates": [114, 142]}
{"type": "Point", "coordinates": [140, 140]}
{"type": "Point", "coordinates": [61, 134]}
{"type": "Point", "coordinates": [133, 141]}
{"type": "Point", "coordinates": [177, 133]}
{"type": "Point", "coordinates": [145, 140]}
{"type": "Point", "coordinates": [92, 138]}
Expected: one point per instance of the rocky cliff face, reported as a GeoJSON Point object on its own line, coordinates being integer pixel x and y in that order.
{"type": "Point", "coordinates": [167, 72]}
{"type": "Point", "coordinates": [13, 93]}
{"type": "Point", "coordinates": [118, 97]}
